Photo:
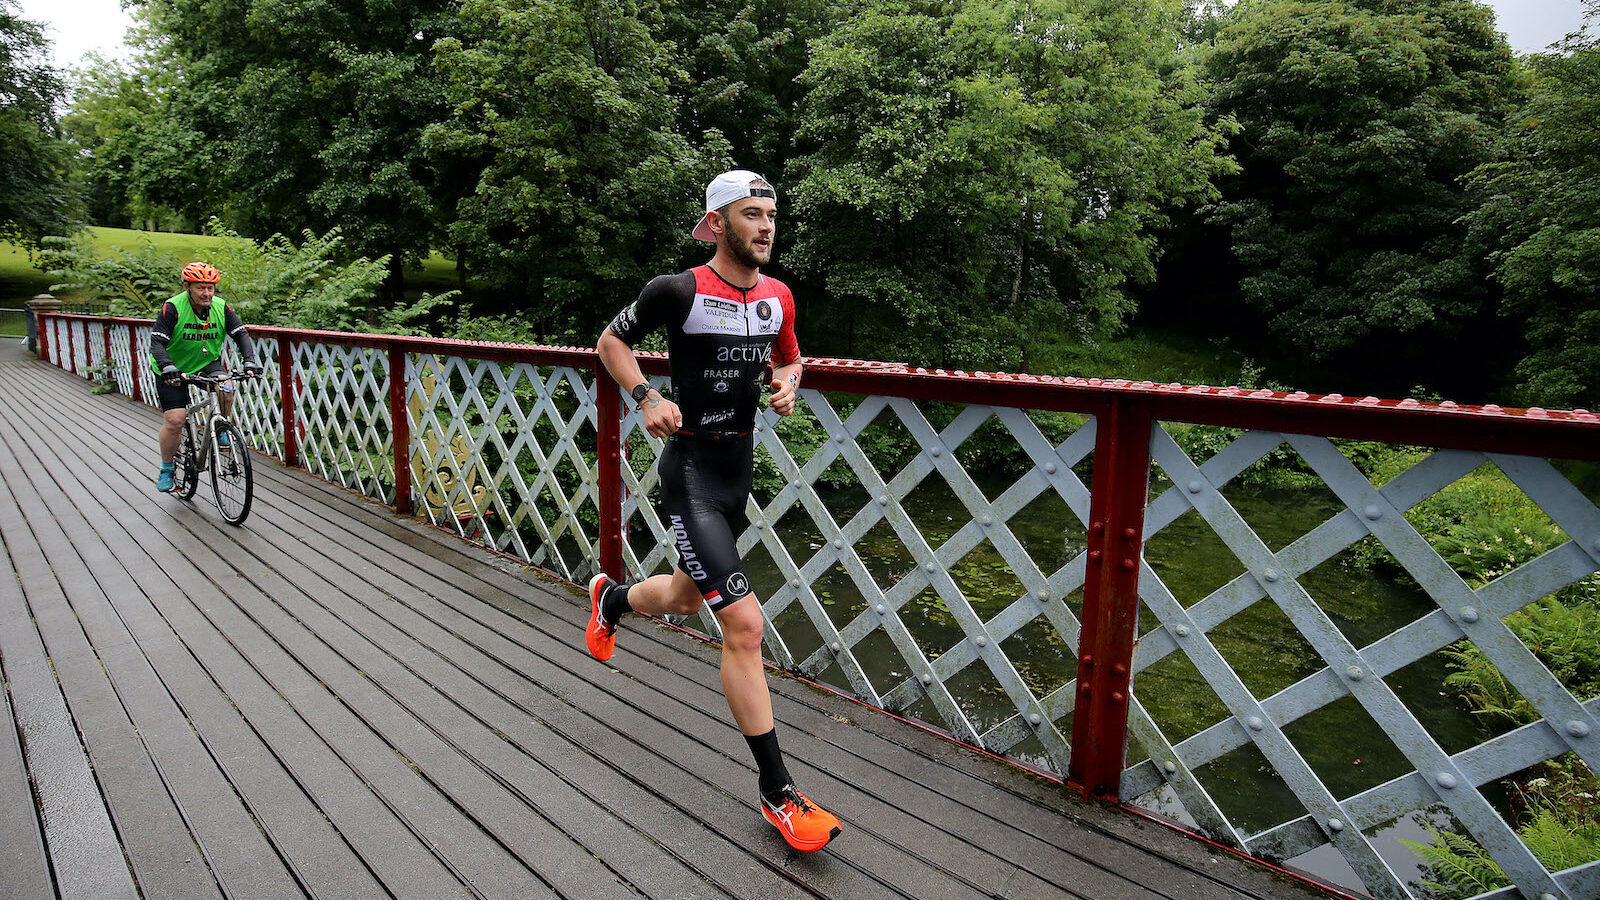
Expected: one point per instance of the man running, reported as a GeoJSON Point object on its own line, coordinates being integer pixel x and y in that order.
{"type": "Point", "coordinates": [725, 322]}
{"type": "Point", "coordinates": [187, 340]}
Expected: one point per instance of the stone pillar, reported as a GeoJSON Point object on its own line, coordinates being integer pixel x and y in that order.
{"type": "Point", "coordinates": [40, 303]}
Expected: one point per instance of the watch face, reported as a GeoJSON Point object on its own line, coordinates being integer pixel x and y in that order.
{"type": "Point", "coordinates": [640, 391]}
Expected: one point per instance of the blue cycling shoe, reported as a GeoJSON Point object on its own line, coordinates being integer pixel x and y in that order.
{"type": "Point", "coordinates": [224, 442]}
{"type": "Point", "coordinates": [164, 483]}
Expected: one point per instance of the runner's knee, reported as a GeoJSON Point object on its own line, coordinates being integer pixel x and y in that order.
{"type": "Point", "coordinates": [741, 625]}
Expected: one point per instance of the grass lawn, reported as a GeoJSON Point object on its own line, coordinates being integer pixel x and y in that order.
{"type": "Point", "coordinates": [19, 280]}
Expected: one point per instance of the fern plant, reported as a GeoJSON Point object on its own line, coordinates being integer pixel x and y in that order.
{"type": "Point", "coordinates": [1461, 867]}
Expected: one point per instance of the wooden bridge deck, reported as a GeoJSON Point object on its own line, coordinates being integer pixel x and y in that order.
{"type": "Point", "coordinates": [334, 701]}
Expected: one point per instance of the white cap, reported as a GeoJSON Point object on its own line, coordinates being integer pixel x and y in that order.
{"type": "Point", "coordinates": [726, 188]}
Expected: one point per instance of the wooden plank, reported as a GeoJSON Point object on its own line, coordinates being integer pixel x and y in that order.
{"type": "Point", "coordinates": [228, 837]}
{"type": "Point", "coordinates": [169, 523]}
{"type": "Point", "coordinates": [716, 731]}
{"type": "Point", "coordinates": [22, 854]}
{"type": "Point", "coordinates": [477, 718]}
{"type": "Point", "coordinates": [85, 853]}
{"type": "Point", "coordinates": [321, 861]}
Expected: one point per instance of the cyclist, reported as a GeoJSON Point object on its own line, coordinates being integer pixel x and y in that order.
{"type": "Point", "coordinates": [187, 340]}
{"type": "Point", "coordinates": [730, 340]}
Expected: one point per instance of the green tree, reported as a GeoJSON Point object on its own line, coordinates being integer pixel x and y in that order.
{"type": "Point", "coordinates": [316, 112]}
{"type": "Point", "coordinates": [743, 59]}
{"type": "Point", "coordinates": [982, 173]}
{"type": "Point", "coordinates": [584, 187]}
{"type": "Point", "coordinates": [140, 161]}
{"type": "Point", "coordinates": [36, 196]}
{"type": "Point", "coordinates": [1540, 220]}
{"type": "Point", "coordinates": [1358, 120]}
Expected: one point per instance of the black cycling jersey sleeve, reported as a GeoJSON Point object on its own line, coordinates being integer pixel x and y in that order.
{"type": "Point", "coordinates": [665, 301]}
{"type": "Point", "coordinates": [161, 335]}
{"type": "Point", "coordinates": [241, 336]}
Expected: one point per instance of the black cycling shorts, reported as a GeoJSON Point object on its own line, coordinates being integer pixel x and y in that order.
{"type": "Point", "coordinates": [704, 488]}
{"type": "Point", "coordinates": [176, 396]}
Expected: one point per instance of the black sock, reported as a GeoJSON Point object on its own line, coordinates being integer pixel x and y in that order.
{"type": "Point", "coordinates": [614, 604]}
{"type": "Point", "coordinates": [769, 760]}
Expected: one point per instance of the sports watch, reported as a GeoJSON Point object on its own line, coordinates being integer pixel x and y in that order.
{"type": "Point", "coordinates": [640, 391]}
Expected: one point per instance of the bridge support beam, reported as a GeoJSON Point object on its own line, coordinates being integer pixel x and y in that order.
{"type": "Point", "coordinates": [291, 428]}
{"type": "Point", "coordinates": [1111, 597]}
{"type": "Point", "coordinates": [608, 412]}
{"type": "Point", "coordinates": [400, 427]}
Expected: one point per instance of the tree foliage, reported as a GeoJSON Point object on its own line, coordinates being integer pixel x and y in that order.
{"type": "Point", "coordinates": [315, 112]}
{"type": "Point", "coordinates": [584, 187]}
{"type": "Point", "coordinates": [1540, 222]}
{"type": "Point", "coordinates": [36, 197]}
{"type": "Point", "coordinates": [1358, 120]}
{"type": "Point", "coordinates": [981, 172]}
{"type": "Point", "coordinates": [140, 161]}
{"type": "Point", "coordinates": [309, 283]}
{"type": "Point", "coordinates": [743, 60]}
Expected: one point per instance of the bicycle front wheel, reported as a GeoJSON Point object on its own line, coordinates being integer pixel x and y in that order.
{"type": "Point", "coordinates": [231, 480]}
{"type": "Point", "coordinates": [185, 469]}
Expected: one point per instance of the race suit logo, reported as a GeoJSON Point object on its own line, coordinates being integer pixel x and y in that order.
{"type": "Point", "coordinates": [712, 418]}
{"type": "Point", "coordinates": [690, 562]}
{"type": "Point", "coordinates": [736, 586]}
{"type": "Point", "coordinates": [624, 321]}
{"type": "Point", "coordinates": [764, 310]}
{"type": "Point", "coordinates": [714, 315]}
{"type": "Point", "coordinates": [760, 353]}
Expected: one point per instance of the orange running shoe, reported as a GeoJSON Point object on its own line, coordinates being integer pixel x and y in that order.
{"type": "Point", "coordinates": [805, 825]}
{"type": "Point", "coordinates": [601, 636]}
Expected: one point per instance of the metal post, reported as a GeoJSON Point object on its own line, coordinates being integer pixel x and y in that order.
{"type": "Point", "coordinates": [134, 364]}
{"type": "Point", "coordinates": [72, 351]}
{"type": "Point", "coordinates": [44, 323]}
{"type": "Point", "coordinates": [608, 471]}
{"type": "Point", "coordinates": [1110, 598]}
{"type": "Point", "coordinates": [400, 428]}
{"type": "Point", "coordinates": [291, 435]}
{"type": "Point", "coordinates": [105, 335]}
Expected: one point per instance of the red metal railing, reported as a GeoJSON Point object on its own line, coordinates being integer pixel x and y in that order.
{"type": "Point", "coordinates": [1125, 411]}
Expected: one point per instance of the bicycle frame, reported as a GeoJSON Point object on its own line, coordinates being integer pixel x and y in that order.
{"type": "Point", "coordinates": [195, 416]}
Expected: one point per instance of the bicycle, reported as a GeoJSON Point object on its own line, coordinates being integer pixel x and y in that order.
{"type": "Point", "coordinates": [232, 483]}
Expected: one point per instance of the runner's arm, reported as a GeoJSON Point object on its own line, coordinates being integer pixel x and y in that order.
{"type": "Point", "coordinates": [661, 416]}
{"type": "Point", "coordinates": [665, 299]}
{"type": "Point", "coordinates": [785, 387]}
{"type": "Point", "coordinates": [786, 369]}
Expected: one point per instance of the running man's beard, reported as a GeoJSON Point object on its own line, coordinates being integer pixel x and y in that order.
{"type": "Point", "coordinates": [745, 255]}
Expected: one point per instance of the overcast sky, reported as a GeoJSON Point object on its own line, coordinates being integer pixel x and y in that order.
{"type": "Point", "coordinates": [76, 27]}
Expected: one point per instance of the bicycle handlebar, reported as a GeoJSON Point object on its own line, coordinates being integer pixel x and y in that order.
{"type": "Point", "coordinates": [211, 381]}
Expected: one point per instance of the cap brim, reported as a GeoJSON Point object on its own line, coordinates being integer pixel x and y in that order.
{"type": "Point", "coordinates": [703, 230]}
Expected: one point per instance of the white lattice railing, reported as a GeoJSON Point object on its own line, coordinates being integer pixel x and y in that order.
{"type": "Point", "coordinates": [1041, 592]}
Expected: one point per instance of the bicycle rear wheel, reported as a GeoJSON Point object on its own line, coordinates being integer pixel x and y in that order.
{"type": "Point", "coordinates": [231, 479]}
{"type": "Point", "coordinates": [185, 474]}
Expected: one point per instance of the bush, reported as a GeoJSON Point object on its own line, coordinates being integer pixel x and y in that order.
{"type": "Point", "coordinates": [132, 284]}
{"type": "Point", "coordinates": [271, 282]}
